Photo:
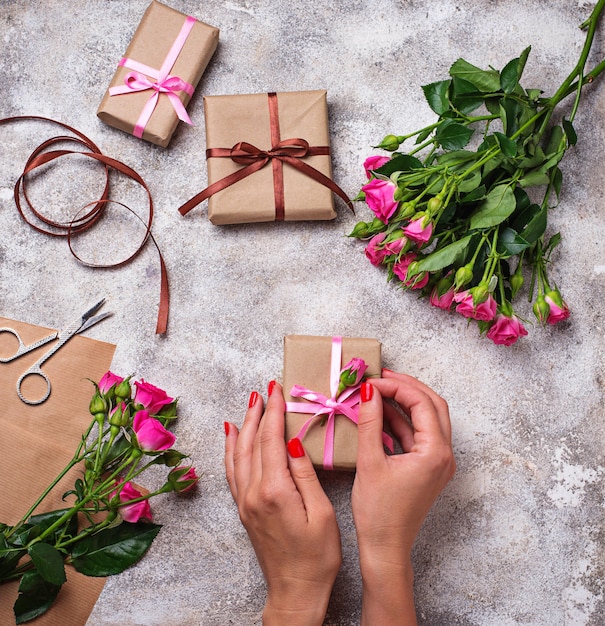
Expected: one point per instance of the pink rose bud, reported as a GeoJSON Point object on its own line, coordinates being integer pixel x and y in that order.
{"type": "Point", "coordinates": [151, 434]}
{"type": "Point", "coordinates": [380, 198]}
{"type": "Point", "coordinates": [109, 380]}
{"type": "Point", "coordinates": [559, 311]}
{"type": "Point", "coordinates": [374, 251]}
{"type": "Point", "coordinates": [151, 397]}
{"type": "Point", "coordinates": [374, 162]}
{"type": "Point", "coordinates": [484, 311]}
{"type": "Point", "coordinates": [419, 230]}
{"type": "Point", "coordinates": [443, 301]}
{"type": "Point", "coordinates": [182, 479]}
{"type": "Point", "coordinates": [134, 511]}
{"type": "Point", "coordinates": [351, 374]}
{"type": "Point", "coordinates": [506, 330]}
{"type": "Point", "coordinates": [400, 269]}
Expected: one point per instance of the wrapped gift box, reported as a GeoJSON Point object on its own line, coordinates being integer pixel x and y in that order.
{"type": "Point", "coordinates": [162, 35]}
{"type": "Point", "coordinates": [307, 362]}
{"type": "Point", "coordinates": [248, 118]}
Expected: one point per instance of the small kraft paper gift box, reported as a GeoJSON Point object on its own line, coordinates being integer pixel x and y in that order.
{"type": "Point", "coordinates": [325, 420]}
{"type": "Point", "coordinates": [158, 74]}
{"type": "Point", "coordinates": [268, 158]}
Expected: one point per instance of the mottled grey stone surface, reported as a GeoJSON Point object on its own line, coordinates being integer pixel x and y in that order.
{"type": "Point", "coordinates": [517, 537]}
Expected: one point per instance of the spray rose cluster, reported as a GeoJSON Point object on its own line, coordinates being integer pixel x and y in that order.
{"type": "Point", "coordinates": [453, 219]}
{"type": "Point", "coordinates": [107, 526]}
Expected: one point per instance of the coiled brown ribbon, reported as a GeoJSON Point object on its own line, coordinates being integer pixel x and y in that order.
{"type": "Point", "coordinates": [88, 215]}
{"type": "Point", "coordinates": [290, 151]}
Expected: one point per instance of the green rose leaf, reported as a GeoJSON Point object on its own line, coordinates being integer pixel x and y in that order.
{"type": "Point", "coordinates": [487, 81]}
{"type": "Point", "coordinates": [36, 596]}
{"type": "Point", "coordinates": [533, 178]}
{"type": "Point", "coordinates": [436, 96]}
{"type": "Point", "coordinates": [49, 563]}
{"type": "Point", "coordinates": [400, 163]}
{"type": "Point", "coordinates": [464, 96]}
{"type": "Point", "coordinates": [497, 206]}
{"type": "Point", "coordinates": [452, 135]}
{"type": "Point", "coordinates": [511, 73]}
{"type": "Point", "coordinates": [570, 132]}
{"type": "Point", "coordinates": [535, 227]}
{"type": "Point", "coordinates": [113, 550]}
{"type": "Point", "coordinates": [507, 145]}
{"type": "Point", "coordinates": [443, 257]}
{"type": "Point", "coordinates": [511, 243]}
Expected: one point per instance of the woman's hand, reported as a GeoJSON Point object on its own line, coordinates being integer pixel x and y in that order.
{"type": "Point", "coordinates": [393, 494]}
{"type": "Point", "coordinates": [288, 517]}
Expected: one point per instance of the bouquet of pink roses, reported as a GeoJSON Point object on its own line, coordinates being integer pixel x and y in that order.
{"type": "Point", "coordinates": [107, 527]}
{"type": "Point", "coordinates": [451, 223]}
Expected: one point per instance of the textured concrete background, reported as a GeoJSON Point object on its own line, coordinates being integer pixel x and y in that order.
{"type": "Point", "coordinates": [517, 537]}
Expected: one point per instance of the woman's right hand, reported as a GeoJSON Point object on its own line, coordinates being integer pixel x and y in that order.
{"type": "Point", "coordinates": [392, 494]}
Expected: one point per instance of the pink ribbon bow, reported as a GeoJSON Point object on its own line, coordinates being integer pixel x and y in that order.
{"type": "Point", "coordinates": [138, 80]}
{"type": "Point", "coordinates": [347, 404]}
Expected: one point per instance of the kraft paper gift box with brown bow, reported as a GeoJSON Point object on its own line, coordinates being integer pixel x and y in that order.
{"type": "Point", "coordinates": [158, 74]}
{"type": "Point", "coordinates": [268, 158]}
{"type": "Point", "coordinates": [308, 361]}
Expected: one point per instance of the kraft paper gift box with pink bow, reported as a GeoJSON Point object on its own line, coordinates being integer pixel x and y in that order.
{"type": "Point", "coordinates": [158, 74]}
{"type": "Point", "coordinates": [325, 421]}
{"type": "Point", "coordinates": [268, 158]}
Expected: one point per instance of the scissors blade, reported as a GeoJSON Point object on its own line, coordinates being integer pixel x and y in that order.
{"type": "Point", "coordinates": [84, 321]}
{"type": "Point", "coordinates": [92, 321]}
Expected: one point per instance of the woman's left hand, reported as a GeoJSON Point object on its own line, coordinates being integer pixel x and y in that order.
{"type": "Point", "coordinates": [289, 519]}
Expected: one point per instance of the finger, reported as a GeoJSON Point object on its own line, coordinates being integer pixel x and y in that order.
{"type": "Point", "coordinates": [243, 454]}
{"type": "Point", "coordinates": [231, 435]}
{"type": "Point", "coordinates": [421, 407]}
{"type": "Point", "coordinates": [399, 426]}
{"type": "Point", "coordinates": [271, 433]}
{"type": "Point", "coordinates": [305, 479]}
{"type": "Point", "coordinates": [369, 430]}
{"type": "Point", "coordinates": [440, 404]}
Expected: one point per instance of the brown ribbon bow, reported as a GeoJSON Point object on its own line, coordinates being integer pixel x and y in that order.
{"type": "Point", "coordinates": [290, 151]}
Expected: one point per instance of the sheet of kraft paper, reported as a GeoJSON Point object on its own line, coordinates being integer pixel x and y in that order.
{"type": "Point", "coordinates": [37, 442]}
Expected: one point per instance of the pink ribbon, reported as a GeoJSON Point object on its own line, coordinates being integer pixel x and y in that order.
{"type": "Point", "coordinates": [346, 403]}
{"type": "Point", "coordinates": [138, 80]}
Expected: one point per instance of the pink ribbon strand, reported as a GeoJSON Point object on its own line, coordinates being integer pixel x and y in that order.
{"type": "Point", "coordinates": [164, 83]}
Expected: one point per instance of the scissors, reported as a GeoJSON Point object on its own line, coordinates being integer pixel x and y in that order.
{"type": "Point", "coordinates": [82, 323]}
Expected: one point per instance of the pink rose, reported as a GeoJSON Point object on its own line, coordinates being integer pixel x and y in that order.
{"type": "Point", "coordinates": [444, 301]}
{"type": "Point", "coordinates": [401, 271]}
{"type": "Point", "coordinates": [373, 250]}
{"type": "Point", "coordinates": [506, 330]}
{"type": "Point", "coordinates": [379, 197]}
{"type": "Point", "coordinates": [395, 246]}
{"type": "Point", "coordinates": [151, 397]}
{"type": "Point", "coordinates": [559, 311]}
{"type": "Point", "coordinates": [108, 380]}
{"type": "Point", "coordinates": [485, 311]}
{"type": "Point", "coordinates": [183, 479]}
{"type": "Point", "coordinates": [151, 434]}
{"type": "Point", "coordinates": [373, 163]}
{"type": "Point", "coordinates": [417, 232]}
{"type": "Point", "coordinates": [136, 510]}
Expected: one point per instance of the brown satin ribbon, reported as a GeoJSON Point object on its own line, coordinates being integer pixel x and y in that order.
{"type": "Point", "coordinates": [90, 213]}
{"type": "Point", "coordinates": [290, 151]}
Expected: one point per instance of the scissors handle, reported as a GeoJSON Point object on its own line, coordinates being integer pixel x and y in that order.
{"type": "Point", "coordinates": [22, 348]}
{"type": "Point", "coordinates": [34, 370]}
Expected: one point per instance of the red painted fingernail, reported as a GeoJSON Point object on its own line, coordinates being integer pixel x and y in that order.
{"type": "Point", "coordinates": [295, 448]}
{"type": "Point", "coordinates": [252, 400]}
{"type": "Point", "coordinates": [367, 390]}
{"type": "Point", "coordinates": [386, 369]}
{"type": "Point", "coordinates": [227, 427]}
{"type": "Point", "coordinates": [271, 387]}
